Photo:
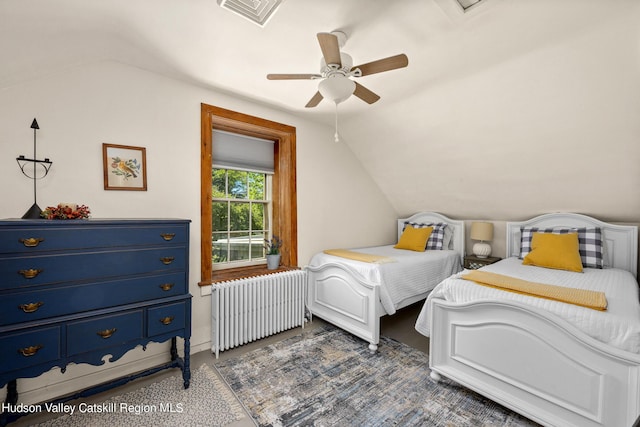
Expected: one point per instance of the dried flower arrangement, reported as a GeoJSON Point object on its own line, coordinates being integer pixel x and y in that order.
{"type": "Point", "coordinates": [66, 211]}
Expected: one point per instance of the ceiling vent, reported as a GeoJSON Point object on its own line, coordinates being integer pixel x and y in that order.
{"type": "Point", "coordinates": [467, 4]}
{"type": "Point", "coordinates": [257, 11]}
{"type": "Point", "coordinates": [461, 10]}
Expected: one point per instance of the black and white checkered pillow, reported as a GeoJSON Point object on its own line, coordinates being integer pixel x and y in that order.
{"type": "Point", "coordinates": [436, 239]}
{"type": "Point", "coordinates": [589, 239]}
{"type": "Point", "coordinates": [591, 247]}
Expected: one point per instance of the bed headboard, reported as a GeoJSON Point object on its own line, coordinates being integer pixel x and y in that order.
{"type": "Point", "coordinates": [620, 241]}
{"type": "Point", "coordinates": [457, 227]}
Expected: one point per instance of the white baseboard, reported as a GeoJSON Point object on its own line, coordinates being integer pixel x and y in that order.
{"type": "Point", "coordinates": [201, 347]}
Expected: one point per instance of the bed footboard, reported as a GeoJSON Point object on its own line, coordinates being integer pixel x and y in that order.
{"type": "Point", "coordinates": [534, 363]}
{"type": "Point", "coordinates": [337, 295]}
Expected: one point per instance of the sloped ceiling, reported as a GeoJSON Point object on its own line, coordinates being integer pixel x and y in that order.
{"type": "Point", "coordinates": [484, 93]}
{"type": "Point", "coordinates": [194, 40]}
{"type": "Point", "coordinates": [197, 40]}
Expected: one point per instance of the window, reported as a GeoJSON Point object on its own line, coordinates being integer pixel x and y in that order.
{"type": "Point", "coordinates": [240, 216]}
{"type": "Point", "coordinates": [242, 172]}
{"type": "Point", "coordinates": [282, 218]}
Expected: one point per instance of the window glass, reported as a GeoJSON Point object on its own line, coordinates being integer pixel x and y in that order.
{"type": "Point", "coordinates": [240, 212]}
{"type": "Point", "coordinates": [258, 216]}
{"type": "Point", "coordinates": [219, 183]}
{"type": "Point", "coordinates": [256, 185]}
{"type": "Point", "coordinates": [219, 216]}
{"type": "Point", "coordinates": [237, 184]}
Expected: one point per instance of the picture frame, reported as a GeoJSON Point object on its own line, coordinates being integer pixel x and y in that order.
{"type": "Point", "coordinates": [125, 167]}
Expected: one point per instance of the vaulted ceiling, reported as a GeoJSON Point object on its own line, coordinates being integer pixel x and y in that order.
{"type": "Point", "coordinates": [482, 89]}
{"type": "Point", "coordinates": [198, 41]}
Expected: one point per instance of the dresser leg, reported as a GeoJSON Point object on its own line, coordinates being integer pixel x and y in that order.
{"type": "Point", "coordinates": [174, 349]}
{"type": "Point", "coordinates": [11, 400]}
{"type": "Point", "coordinates": [12, 393]}
{"type": "Point", "coordinates": [186, 369]}
{"type": "Point", "coordinates": [185, 365]}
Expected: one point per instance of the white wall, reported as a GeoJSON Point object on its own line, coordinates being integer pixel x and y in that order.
{"type": "Point", "coordinates": [108, 102]}
{"type": "Point", "coordinates": [529, 108]}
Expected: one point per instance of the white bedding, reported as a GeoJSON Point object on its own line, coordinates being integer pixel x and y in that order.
{"type": "Point", "coordinates": [619, 326]}
{"type": "Point", "coordinates": [411, 274]}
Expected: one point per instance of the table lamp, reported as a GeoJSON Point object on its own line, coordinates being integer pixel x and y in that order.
{"type": "Point", "coordinates": [482, 231]}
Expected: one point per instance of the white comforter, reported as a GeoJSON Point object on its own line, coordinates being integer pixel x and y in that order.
{"type": "Point", "coordinates": [411, 274]}
{"type": "Point", "coordinates": [619, 326]}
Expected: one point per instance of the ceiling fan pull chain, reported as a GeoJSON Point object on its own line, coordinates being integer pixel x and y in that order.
{"type": "Point", "coordinates": [336, 136]}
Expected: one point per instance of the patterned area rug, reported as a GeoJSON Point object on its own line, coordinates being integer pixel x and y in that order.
{"type": "Point", "coordinates": [207, 402]}
{"type": "Point", "coordinates": [327, 377]}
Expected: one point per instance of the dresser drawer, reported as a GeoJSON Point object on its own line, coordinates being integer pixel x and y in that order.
{"type": "Point", "coordinates": [103, 332]}
{"type": "Point", "coordinates": [87, 235]}
{"type": "Point", "coordinates": [29, 348]}
{"type": "Point", "coordinates": [51, 301]}
{"type": "Point", "coordinates": [25, 271]}
{"type": "Point", "coordinates": [166, 318]}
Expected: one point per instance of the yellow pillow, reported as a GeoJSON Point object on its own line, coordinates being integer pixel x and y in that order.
{"type": "Point", "coordinates": [559, 251]}
{"type": "Point", "coordinates": [414, 239]}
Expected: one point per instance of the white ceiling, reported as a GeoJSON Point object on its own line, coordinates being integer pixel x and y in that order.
{"type": "Point", "coordinates": [198, 41]}
{"type": "Point", "coordinates": [557, 75]}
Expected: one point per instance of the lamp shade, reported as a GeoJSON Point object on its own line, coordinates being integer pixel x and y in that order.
{"type": "Point", "coordinates": [482, 231]}
{"type": "Point", "coordinates": [337, 88]}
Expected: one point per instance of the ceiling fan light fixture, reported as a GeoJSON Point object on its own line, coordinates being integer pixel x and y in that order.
{"type": "Point", "coordinates": [337, 88]}
{"type": "Point", "coordinates": [336, 71]}
{"type": "Point", "coordinates": [347, 63]}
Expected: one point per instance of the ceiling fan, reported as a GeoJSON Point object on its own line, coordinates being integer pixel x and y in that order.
{"type": "Point", "coordinates": [336, 71]}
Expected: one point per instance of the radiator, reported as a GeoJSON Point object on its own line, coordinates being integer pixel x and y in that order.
{"type": "Point", "coordinates": [246, 310]}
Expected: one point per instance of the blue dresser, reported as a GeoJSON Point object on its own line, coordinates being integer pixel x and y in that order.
{"type": "Point", "coordinates": [73, 291]}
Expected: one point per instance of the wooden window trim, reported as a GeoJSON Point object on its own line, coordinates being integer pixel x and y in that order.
{"type": "Point", "coordinates": [285, 218]}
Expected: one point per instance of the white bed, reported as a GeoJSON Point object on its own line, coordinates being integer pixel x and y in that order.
{"type": "Point", "coordinates": [353, 295]}
{"type": "Point", "coordinates": [555, 363]}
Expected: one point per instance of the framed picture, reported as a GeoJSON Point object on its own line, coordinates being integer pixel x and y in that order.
{"type": "Point", "coordinates": [125, 167]}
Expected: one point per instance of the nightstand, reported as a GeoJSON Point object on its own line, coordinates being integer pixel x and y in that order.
{"type": "Point", "coordinates": [472, 262]}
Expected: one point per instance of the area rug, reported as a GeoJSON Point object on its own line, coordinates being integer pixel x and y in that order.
{"type": "Point", "coordinates": [207, 402]}
{"type": "Point", "coordinates": [327, 377]}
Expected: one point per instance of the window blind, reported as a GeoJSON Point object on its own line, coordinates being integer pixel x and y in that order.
{"type": "Point", "coordinates": [241, 152]}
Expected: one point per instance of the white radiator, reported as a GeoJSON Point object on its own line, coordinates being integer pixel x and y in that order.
{"type": "Point", "coordinates": [246, 310]}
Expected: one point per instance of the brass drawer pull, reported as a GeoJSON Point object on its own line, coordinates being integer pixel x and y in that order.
{"type": "Point", "coordinates": [166, 320]}
{"type": "Point", "coordinates": [31, 307]}
{"type": "Point", "coordinates": [30, 351]}
{"type": "Point", "coordinates": [167, 286]}
{"type": "Point", "coordinates": [168, 236]}
{"type": "Point", "coordinates": [29, 274]}
{"type": "Point", "coordinates": [31, 242]}
{"type": "Point", "coordinates": [107, 333]}
{"type": "Point", "coordinates": [167, 260]}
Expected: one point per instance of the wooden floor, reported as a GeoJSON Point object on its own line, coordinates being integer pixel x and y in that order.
{"type": "Point", "coordinates": [400, 327]}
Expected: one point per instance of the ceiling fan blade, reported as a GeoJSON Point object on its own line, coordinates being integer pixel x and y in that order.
{"type": "Point", "coordinates": [386, 64]}
{"type": "Point", "coordinates": [365, 94]}
{"type": "Point", "coordinates": [314, 101]}
{"type": "Point", "coordinates": [292, 76]}
{"type": "Point", "coordinates": [330, 48]}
